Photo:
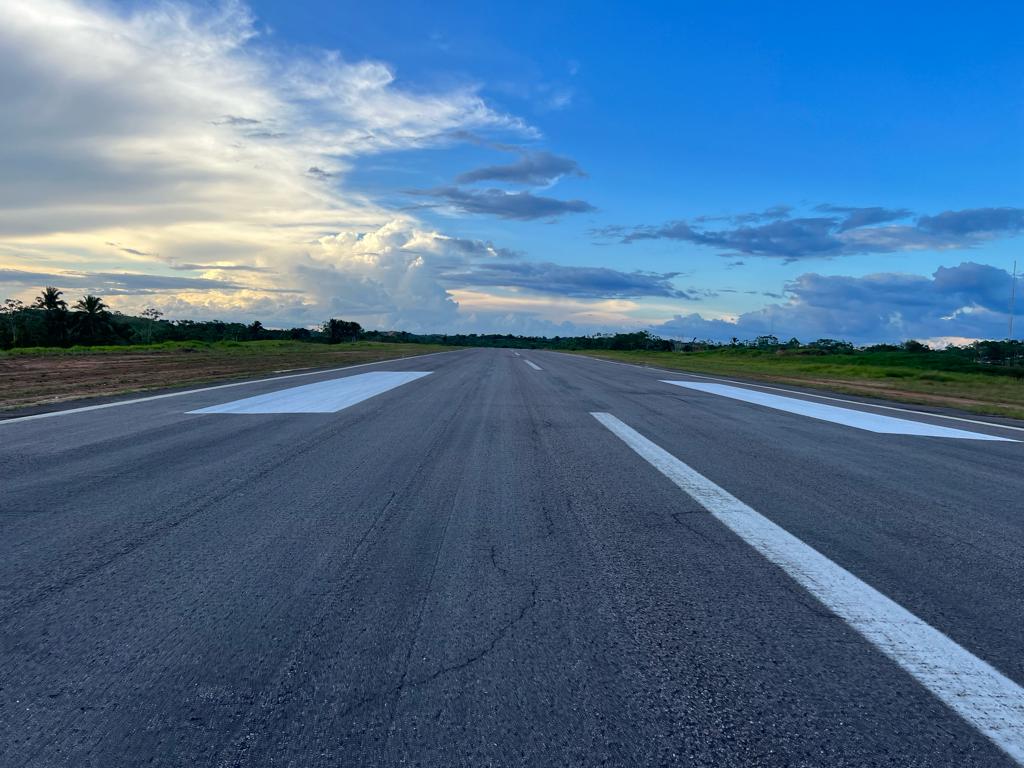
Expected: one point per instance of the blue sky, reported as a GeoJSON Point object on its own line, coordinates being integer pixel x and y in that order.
{"type": "Point", "coordinates": [700, 169]}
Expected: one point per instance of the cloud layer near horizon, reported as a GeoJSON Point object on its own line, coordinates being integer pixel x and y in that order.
{"type": "Point", "coordinates": [966, 301]}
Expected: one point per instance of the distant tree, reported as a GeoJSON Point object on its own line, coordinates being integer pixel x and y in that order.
{"type": "Point", "coordinates": [766, 342]}
{"type": "Point", "coordinates": [882, 348]}
{"type": "Point", "coordinates": [254, 330]}
{"type": "Point", "coordinates": [11, 309]}
{"type": "Point", "coordinates": [50, 299]}
{"type": "Point", "coordinates": [152, 314]}
{"type": "Point", "coordinates": [300, 334]}
{"type": "Point", "coordinates": [336, 331]}
{"type": "Point", "coordinates": [912, 345]}
{"type": "Point", "coordinates": [831, 345]}
{"type": "Point", "coordinates": [91, 320]}
{"type": "Point", "coordinates": [56, 315]}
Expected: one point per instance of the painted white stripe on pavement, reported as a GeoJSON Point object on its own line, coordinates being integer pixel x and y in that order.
{"type": "Point", "coordinates": [804, 394]}
{"type": "Point", "coordinates": [975, 690]}
{"type": "Point", "coordinates": [533, 365]}
{"type": "Point", "coordinates": [134, 400]}
{"type": "Point", "coordinates": [872, 422]}
{"type": "Point", "coordinates": [321, 397]}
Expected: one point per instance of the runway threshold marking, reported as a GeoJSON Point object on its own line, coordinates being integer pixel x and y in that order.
{"type": "Point", "coordinates": [872, 422]}
{"type": "Point", "coordinates": [321, 397]}
{"type": "Point", "coordinates": [971, 687]}
{"type": "Point", "coordinates": [831, 398]}
{"type": "Point", "coordinates": [200, 390]}
{"type": "Point", "coordinates": [533, 365]}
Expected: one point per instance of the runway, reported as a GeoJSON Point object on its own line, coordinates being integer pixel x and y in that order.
{"type": "Point", "coordinates": [488, 558]}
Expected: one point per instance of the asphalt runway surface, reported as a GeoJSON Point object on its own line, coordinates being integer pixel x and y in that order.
{"type": "Point", "coordinates": [496, 557]}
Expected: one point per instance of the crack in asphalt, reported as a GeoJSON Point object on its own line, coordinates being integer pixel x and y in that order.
{"type": "Point", "coordinates": [494, 561]}
{"type": "Point", "coordinates": [395, 691]}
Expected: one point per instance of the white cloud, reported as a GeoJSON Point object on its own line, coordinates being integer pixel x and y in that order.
{"type": "Point", "coordinates": [967, 301]}
{"type": "Point", "coordinates": [172, 135]}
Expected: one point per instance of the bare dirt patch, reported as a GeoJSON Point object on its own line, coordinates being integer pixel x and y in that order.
{"type": "Point", "coordinates": [27, 380]}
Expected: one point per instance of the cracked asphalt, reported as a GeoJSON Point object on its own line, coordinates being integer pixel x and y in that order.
{"type": "Point", "coordinates": [469, 570]}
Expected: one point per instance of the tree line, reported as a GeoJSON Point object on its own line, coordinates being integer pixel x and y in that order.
{"type": "Point", "coordinates": [49, 321]}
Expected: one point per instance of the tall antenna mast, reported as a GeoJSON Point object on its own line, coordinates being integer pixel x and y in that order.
{"type": "Point", "coordinates": [1013, 297]}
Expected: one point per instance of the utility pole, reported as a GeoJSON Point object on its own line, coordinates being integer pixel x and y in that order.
{"type": "Point", "coordinates": [1013, 297]}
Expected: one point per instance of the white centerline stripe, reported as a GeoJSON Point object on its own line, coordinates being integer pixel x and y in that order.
{"type": "Point", "coordinates": [975, 690]}
{"type": "Point", "coordinates": [321, 397]}
{"type": "Point", "coordinates": [133, 401]}
{"type": "Point", "coordinates": [872, 422]}
{"type": "Point", "coordinates": [533, 365]}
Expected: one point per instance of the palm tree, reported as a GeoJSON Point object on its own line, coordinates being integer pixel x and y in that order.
{"type": "Point", "coordinates": [92, 320]}
{"type": "Point", "coordinates": [50, 300]}
{"type": "Point", "coordinates": [56, 310]}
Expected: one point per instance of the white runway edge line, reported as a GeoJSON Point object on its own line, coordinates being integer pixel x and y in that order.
{"type": "Point", "coordinates": [871, 422]}
{"type": "Point", "coordinates": [533, 365]}
{"type": "Point", "coordinates": [320, 397]}
{"type": "Point", "coordinates": [133, 401]}
{"type": "Point", "coordinates": [975, 690]}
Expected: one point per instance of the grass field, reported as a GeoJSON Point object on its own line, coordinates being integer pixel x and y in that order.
{"type": "Point", "coordinates": [35, 376]}
{"type": "Point", "coordinates": [921, 378]}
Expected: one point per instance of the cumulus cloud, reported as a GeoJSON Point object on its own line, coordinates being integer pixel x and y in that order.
{"type": "Point", "coordinates": [841, 231]}
{"type": "Point", "coordinates": [534, 168]}
{"type": "Point", "coordinates": [966, 301]}
{"type": "Point", "coordinates": [409, 276]}
{"type": "Point", "coordinates": [506, 205]}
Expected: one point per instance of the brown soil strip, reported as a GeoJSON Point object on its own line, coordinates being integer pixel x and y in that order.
{"type": "Point", "coordinates": [28, 380]}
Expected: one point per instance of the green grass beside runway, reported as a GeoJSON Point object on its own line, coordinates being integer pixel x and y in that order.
{"type": "Point", "coordinates": [910, 377]}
